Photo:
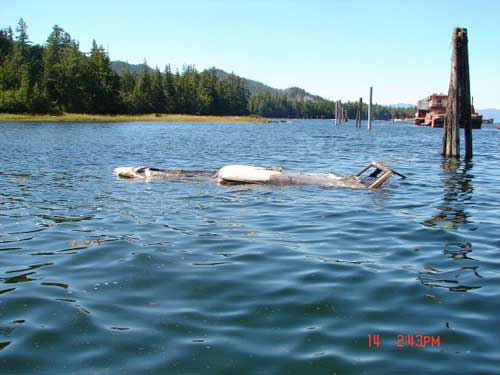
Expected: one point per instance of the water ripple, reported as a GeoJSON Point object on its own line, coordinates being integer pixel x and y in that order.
{"type": "Point", "coordinates": [109, 276]}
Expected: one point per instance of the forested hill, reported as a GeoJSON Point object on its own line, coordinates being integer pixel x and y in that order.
{"type": "Point", "coordinates": [120, 66]}
{"type": "Point", "coordinates": [253, 87]}
{"type": "Point", "coordinates": [57, 77]}
{"type": "Point", "coordinates": [257, 88]}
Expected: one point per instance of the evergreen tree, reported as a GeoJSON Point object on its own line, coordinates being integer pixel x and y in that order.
{"type": "Point", "coordinates": [170, 86]}
{"type": "Point", "coordinates": [6, 43]}
{"type": "Point", "coordinates": [53, 76]}
{"type": "Point", "coordinates": [75, 77]}
{"type": "Point", "coordinates": [142, 94]}
{"type": "Point", "coordinates": [127, 85]}
{"type": "Point", "coordinates": [158, 97]}
{"type": "Point", "coordinates": [103, 82]}
{"type": "Point", "coordinates": [22, 37]}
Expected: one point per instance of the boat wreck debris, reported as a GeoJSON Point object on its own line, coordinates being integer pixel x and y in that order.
{"type": "Point", "coordinates": [372, 176]}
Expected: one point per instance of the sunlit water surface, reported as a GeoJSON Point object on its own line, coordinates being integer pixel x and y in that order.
{"type": "Point", "coordinates": [115, 276]}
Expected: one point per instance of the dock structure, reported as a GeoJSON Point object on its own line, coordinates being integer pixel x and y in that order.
{"type": "Point", "coordinates": [458, 109]}
{"type": "Point", "coordinates": [370, 109]}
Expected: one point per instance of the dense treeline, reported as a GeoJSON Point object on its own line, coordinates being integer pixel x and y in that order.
{"type": "Point", "coordinates": [379, 112]}
{"type": "Point", "coordinates": [280, 105]}
{"type": "Point", "coordinates": [57, 77]}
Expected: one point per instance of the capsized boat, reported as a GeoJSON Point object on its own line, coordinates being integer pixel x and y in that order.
{"type": "Point", "coordinates": [249, 174]}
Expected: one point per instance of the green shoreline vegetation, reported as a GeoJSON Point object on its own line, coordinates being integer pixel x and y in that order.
{"type": "Point", "coordinates": [58, 79]}
{"type": "Point", "coordinates": [163, 117]}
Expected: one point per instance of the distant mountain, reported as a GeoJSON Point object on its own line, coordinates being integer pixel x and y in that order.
{"type": "Point", "coordinates": [401, 105]}
{"type": "Point", "coordinates": [119, 66]}
{"type": "Point", "coordinates": [254, 87]}
{"type": "Point", "coordinates": [490, 113]}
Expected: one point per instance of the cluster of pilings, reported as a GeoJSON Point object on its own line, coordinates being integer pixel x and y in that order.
{"type": "Point", "coordinates": [341, 113]}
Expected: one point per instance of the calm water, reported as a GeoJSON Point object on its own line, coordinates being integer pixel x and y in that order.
{"type": "Point", "coordinates": [100, 275]}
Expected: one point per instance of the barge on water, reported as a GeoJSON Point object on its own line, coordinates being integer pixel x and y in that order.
{"type": "Point", "coordinates": [431, 111]}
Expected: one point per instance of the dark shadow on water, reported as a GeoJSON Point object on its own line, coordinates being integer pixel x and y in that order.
{"type": "Point", "coordinates": [457, 192]}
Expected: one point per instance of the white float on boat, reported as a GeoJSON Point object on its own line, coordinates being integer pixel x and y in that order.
{"type": "Point", "coordinates": [278, 176]}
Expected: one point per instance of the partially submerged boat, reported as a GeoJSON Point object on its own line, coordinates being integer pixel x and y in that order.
{"type": "Point", "coordinates": [150, 173]}
{"type": "Point", "coordinates": [372, 176]}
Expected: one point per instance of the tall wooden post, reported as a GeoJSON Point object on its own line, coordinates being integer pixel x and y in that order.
{"type": "Point", "coordinates": [357, 116]}
{"type": "Point", "coordinates": [358, 113]}
{"type": "Point", "coordinates": [458, 109]}
{"type": "Point", "coordinates": [370, 109]}
{"type": "Point", "coordinates": [340, 112]}
{"type": "Point", "coordinates": [337, 112]}
{"type": "Point", "coordinates": [467, 106]}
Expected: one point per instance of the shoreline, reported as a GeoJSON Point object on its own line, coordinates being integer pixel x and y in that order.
{"type": "Point", "coordinates": [81, 117]}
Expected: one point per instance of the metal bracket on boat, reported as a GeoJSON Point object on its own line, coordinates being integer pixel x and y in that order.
{"type": "Point", "coordinates": [381, 174]}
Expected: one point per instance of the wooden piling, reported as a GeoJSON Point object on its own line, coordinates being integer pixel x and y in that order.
{"type": "Point", "coordinates": [336, 112]}
{"type": "Point", "coordinates": [458, 109]}
{"type": "Point", "coordinates": [357, 116]}
{"type": "Point", "coordinates": [340, 113]}
{"type": "Point", "coordinates": [358, 113]}
{"type": "Point", "coordinates": [370, 109]}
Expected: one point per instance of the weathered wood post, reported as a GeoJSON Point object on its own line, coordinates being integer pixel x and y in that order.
{"type": "Point", "coordinates": [346, 117]}
{"type": "Point", "coordinates": [370, 109]}
{"type": "Point", "coordinates": [458, 108]}
{"type": "Point", "coordinates": [358, 113]}
{"type": "Point", "coordinates": [336, 112]}
{"type": "Point", "coordinates": [357, 116]}
{"type": "Point", "coordinates": [340, 112]}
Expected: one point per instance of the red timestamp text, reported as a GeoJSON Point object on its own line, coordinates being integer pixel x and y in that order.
{"type": "Point", "coordinates": [407, 340]}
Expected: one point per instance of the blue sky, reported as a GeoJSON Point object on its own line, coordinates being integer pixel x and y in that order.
{"type": "Point", "coordinates": [335, 49]}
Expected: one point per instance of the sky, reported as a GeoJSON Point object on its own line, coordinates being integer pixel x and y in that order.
{"type": "Point", "coordinates": [336, 48]}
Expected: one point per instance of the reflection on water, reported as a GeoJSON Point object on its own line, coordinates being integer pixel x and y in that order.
{"type": "Point", "coordinates": [452, 214]}
{"type": "Point", "coordinates": [452, 280]}
{"type": "Point", "coordinates": [457, 191]}
{"type": "Point", "coordinates": [461, 251]}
